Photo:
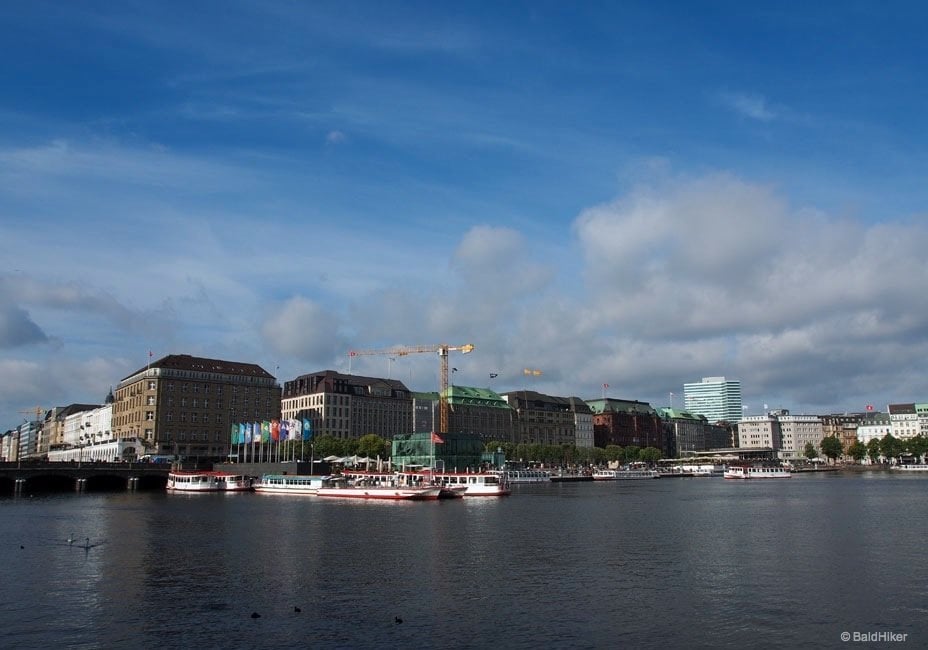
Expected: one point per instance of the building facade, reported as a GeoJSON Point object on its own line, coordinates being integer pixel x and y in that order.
{"type": "Point", "coordinates": [796, 432]}
{"type": "Point", "coordinates": [541, 419]}
{"type": "Point", "coordinates": [759, 431]}
{"type": "Point", "coordinates": [186, 405]}
{"type": "Point", "coordinates": [349, 406]}
{"type": "Point", "coordinates": [904, 420]}
{"type": "Point", "coordinates": [626, 423]}
{"type": "Point", "coordinates": [583, 423]}
{"type": "Point", "coordinates": [716, 398]}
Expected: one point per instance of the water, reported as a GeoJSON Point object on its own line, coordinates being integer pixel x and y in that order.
{"type": "Point", "coordinates": [668, 563]}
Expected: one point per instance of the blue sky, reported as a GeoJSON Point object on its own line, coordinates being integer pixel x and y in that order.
{"type": "Point", "coordinates": [640, 194]}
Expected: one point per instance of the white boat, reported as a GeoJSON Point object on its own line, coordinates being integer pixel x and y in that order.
{"type": "Point", "coordinates": [340, 487]}
{"type": "Point", "coordinates": [625, 474]}
{"type": "Point", "coordinates": [513, 476]}
{"type": "Point", "coordinates": [472, 484]}
{"type": "Point", "coordinates": [911, 467]}
{"type": "Point", "coordinates": [751, 472]}
{"type": "Point", "coordinates": [194, 481]}
{"type": "Point", "coordinates": [290, 484]}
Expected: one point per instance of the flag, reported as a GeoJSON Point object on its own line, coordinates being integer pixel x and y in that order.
{"type": "Point", "coordinates": [241, 432]}
{"type": "Point", "coordinates": [248, 433]}
{"type": "Point", "coordinates": [869, 407]}
{"type": "Point", "coordinates": [275, 429]}
{"type": "Point", "coordinates": [493, 375]}
{"type": "Point", "coordinates": [605, 386]}
{"type": "Point", "coordinates": [234, 437]}
{"type": "Point", "coordinates": [307, 428]}
{"type": "Point", "coordinates": [265, 431]}
{"type": "Point", "coordinates": [437, 439]}
{"type": "Point", "coordinates": [284, 429]}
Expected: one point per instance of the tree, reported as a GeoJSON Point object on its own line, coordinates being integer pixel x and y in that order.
{"type": "Point", "coordinates": [809, 451]}
{"type": "Point", "coordinates": [873, 450]}
{"type": "Point", "coordinates": [832, 447]}
{"type": "Point", "coordinates": [857, 451]}
{"type": "Point", "coordinates": [631, 453]}
{"type": "Point", "coordinates": [614, 453]}
{"type": "Point", "coordinates": [650, 454]}
{"type": "Point", "coordinates": [890, 446]}
{"type": "Point", "coordinates": [372, 446]}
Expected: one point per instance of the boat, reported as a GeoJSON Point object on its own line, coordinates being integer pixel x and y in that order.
{"type": "Point", "coordinates": [624, 474]}
{"type": "Point", "coordinates": [290, 484]}
{"type": "Point", "coordinates": [911, 467]}
{"type": "Point", "coordinates": [751, 472]}
{"type": "Point", "coordinates": [565, 476]}
{"type": "Point", "coordinates": [207, 481]}
{"type": "Point", "coordinates": [513, 476]}
{"type": "Point", "coordinates": [362, 488]}
{"type": "Point", "coordinates": [470, 484]}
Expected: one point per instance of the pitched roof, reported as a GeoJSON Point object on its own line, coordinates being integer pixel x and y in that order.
{"type": "Point", "coordinates": [202, 364]}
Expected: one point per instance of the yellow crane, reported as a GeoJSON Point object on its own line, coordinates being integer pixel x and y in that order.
{"type": "Point", "coordinates": [37, 412]}
{"type": "Point", "coordinates": [442, 349]}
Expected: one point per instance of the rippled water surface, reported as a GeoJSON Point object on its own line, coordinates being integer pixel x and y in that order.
{"type": "Point", "coordinates": [664, 563]}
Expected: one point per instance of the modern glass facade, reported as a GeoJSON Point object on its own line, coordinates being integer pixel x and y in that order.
{"type": "Point", "coordinates": [714, 397]}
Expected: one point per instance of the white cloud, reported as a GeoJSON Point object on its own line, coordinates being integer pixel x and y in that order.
{"type": "Point", "coordinates": [748, 105]}
{"type": "Point", "coordinates": [335, 137]}
{"type": "Point", "coordinates": [304, 330]}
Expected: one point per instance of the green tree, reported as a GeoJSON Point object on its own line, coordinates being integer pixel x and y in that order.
{"type": "Point", "coordinates": [650, 454]}
{"type": "Point", "coordinates": [809, 451]}
{"type": "Point", "coordinates": [614, 453]}
{"type": "Point", "coordinates": [873, 450]}
{"type": "Point", "coordinates": [832, 447]}
{"type": "Point", "coordinates": [631, 453]}
{"type": "Point", "coordinates": [890, 446]}
{"type": "Point", "coordinates": [372, 446]}
{"type": "Point", "coordinates": [329, 445]}
{"type": "Point", "coordinates": [857, 451]}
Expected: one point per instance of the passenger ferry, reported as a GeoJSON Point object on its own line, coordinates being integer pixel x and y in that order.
{"type": "Point", "coordinates": [746, 472]}
{"type": "Point", "coordinates": [624, 474]}
{"type": "Point", "coordinates": [468, 484]}
{"type": "Point", "coordinates": [911, 467]}
{"type": "Point", "coordinates": [524, 475]}
{"type": "Point", "coordinates": [194, 481]}
{"type": "Point", "coordinates": [341, 487]}
{"type": "Point", "coordinates": [290, 484]}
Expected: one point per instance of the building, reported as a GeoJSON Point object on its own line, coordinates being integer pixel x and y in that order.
{"type": "Point", "coordinates": [349, 406]}
{"type": "Point", "coordinates": [759, 431]}
{"type": "Point", "coordinates": [796, 432]}
{"type": "Point", "coordinates": [626, 423]}
{"type": "Point", "coordinates": [186, 405]}
{"type": "Point", "coordinates": [583, 423]}
{"type": "Point", "coordinates": [542, 419]}
{"type": "Point", "coordinates": [904, 420]}
{"type": "Point", "coordinates": [714, 397]}
{"type": "Point", "coordinates": [874, 426]}
{"type": "Point", "coordinates": [477, 411]}
{"type": "Point", "coordinates": [842, 426]}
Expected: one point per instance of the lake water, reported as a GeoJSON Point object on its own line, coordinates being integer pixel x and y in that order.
{"type": "Point", "coordinates": [661, 563]}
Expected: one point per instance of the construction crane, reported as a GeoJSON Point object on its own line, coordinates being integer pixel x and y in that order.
{"type": "Point", "coordinates": [37, 411]}
{"type": "Point", "coordinates": [442, 349]}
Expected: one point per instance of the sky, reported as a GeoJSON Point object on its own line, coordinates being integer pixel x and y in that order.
{"type": "Point", "coordinates": [626, 197]}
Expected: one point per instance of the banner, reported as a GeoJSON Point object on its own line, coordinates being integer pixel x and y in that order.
{"type": "Point", "coordinates": [284, 429]}
{"type": "Point", "coordinates": [265, 431]}
{"type": "Point", "coordinates": [275, 429]}
{"type": "Point", "coordinates": [307, 428]}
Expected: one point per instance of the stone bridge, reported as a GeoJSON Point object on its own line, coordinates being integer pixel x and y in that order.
{"type": "Point", "coordinates": [29, 477]}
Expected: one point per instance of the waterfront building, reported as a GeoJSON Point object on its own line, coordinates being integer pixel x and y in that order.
{"type": "Point", "coordinates": [542, 419]}
{"type": "Point", "coordinates": [922, 411]}
{"type": "Point", "coordinates": [796, 431]}
{"type": "Point", "coordinates": [626, 423]}
{"type": "Point", "coordinates": [453, 452]}
{"type": "Point", "coordinates": [583, 423]}
{"type": "Point", "coordinates": [477, 411]}
{"type": "Point", "coordinates": [842, 426]}
{"type": "Point", "coordinates": [714, 397]}
{"type": "Point", "coordinates": [874, 425]}
{"type": "Point", "coordinates": [904, 420]}
{"type": "Point", "coordinates": [684, 432]}
{"type": "Point", "coordinates": [186, 405]}
{"type": "Point", "coordinates": [349, 406]}
{"type": "Point", "coordinates": [8, 444]}
{"type": "Point", "coordinates": [759, 431]}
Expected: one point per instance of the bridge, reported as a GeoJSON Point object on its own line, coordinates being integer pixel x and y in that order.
{"type": "Point", "coordinates": [29, 477]}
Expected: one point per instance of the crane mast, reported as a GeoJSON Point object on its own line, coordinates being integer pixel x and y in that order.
{"type": "Point", "coordinates": [442, 349]}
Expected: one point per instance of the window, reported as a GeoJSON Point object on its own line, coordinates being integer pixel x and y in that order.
{"type": "Point", "coordinates": [150, 401]}
{"type": "Point", "coordinates": [151, 385]}
{"type": "Point", "coordinates": [149, 415]}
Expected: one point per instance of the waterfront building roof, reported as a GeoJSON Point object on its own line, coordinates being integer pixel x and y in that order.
{"type": "Point", "coordinates": [202, 364]}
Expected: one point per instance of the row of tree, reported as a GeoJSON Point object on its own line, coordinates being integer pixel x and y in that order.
{"type": "Point", "coordinates": [888, 447]}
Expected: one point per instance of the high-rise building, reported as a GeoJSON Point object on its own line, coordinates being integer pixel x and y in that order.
{"type": "Point", "coordinates": [714, 397]}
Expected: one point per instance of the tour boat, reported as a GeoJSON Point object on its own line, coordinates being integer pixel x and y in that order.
{"type": "Point", "coordinates": [625, 474]}
{"type": "Point", "coordinates": [512, 476]}
{"type": "Point", "coordinates": [201, 481]}
{"type": "Point", "coordinates": [750, 472]}
{"type": "Point", "coordinates": [290, 484]}
{"type": "Point", "coordinates": [912, 467]}
{"type": "Point", "coordinates": [340, 487]}
{"type": "Point", "coordinates": [477, 484]}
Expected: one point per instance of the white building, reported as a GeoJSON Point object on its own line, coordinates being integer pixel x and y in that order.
{"type": "Point", "coordinates": [874, 427]}
{"type": "Point", "coordinates": [904, 420]}
{"type": "Point", "coordinates": [759, 431]}
{"type": "Point", "coordinates": [797, 431]}
{"type": "Point", "coordinates": [714, 397]}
